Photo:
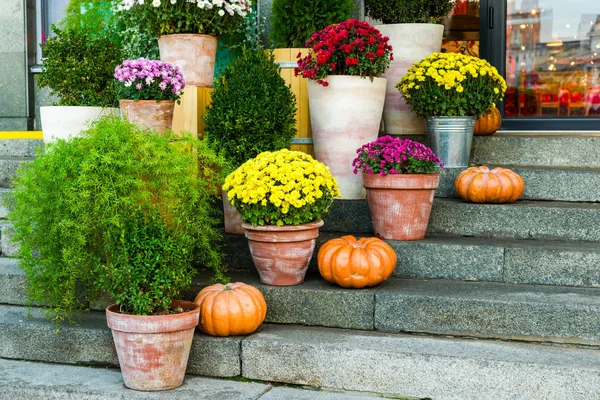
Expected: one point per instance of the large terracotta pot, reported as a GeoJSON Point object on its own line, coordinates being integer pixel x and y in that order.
{"type": "Point", "coordinates": [344, 116]}
{"type": "Point", "coordinates": [61, 122]}
{"type": "Point", "coordinates": [194, 54]}
{"type": "Point", "coordinates": [232, 217]}
{"type": "Point", "coordinates": [149, 114]}
{"type": "Point", "coordinates": [153, 350]}
{"type": "Point", "coordinates": [281, 254]}
{"type": "Point", "coordinates": [400, 204]}
{"type": "Point", "coordinates": [411, 43]}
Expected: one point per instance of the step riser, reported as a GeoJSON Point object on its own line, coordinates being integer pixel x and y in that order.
{"type": "Point", "coordinates": [575, 185]}
{"type": "Point", "coordinates": [19, 147]}
{"type": "Point", "coordinates": [403, 367]}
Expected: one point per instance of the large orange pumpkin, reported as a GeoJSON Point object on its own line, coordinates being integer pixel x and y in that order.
{"type": "Point", "coordinates": [480, 185]}
{"type": "Point", "coordinates": [353, 263]}
{"type": "Point", "coordinates": [230, 310]}
{"type": "Point", "coordinates": [489, 123]}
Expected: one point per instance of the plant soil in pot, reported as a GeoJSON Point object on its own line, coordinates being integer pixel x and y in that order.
{"type": "Point", "coordinates": [153, 350]}
{"type": "Point", "coordinates": [400, 178]}
{"type": "Point", "coordinates": [282, 196]}
{"type": "Point", "coordinates": [282, 254]}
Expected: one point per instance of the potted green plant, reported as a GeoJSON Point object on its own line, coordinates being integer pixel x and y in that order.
{"type": "Point", "coordinates": [346, 95]}
{"type": "Point", "coordinates": [451, 90]}
{"type": "Point", "coordinates": [78, 69]}
{"type": "Point", "coordinates": [188, 31]}
{"type": "Point", "coordinates": [400, 177]}
{"type": "Point", "coordinates": [148, 90]}
{"type": "Point", "coordinates": [282, 197]}
{"type": "Point", "coordinates": [414, 28]}
{"type": "Point", "coordinates": [122, 211]}
{"type": "Point", "coordinates": [248, 115]}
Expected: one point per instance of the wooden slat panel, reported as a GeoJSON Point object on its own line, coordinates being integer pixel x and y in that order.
{"type": "Point", "coordinates": [187, 116]}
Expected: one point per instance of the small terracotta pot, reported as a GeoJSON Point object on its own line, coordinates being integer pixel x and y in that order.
{"type": "Point", "coordinates": [194, 54]}
{"type": "Point", "coordinates": [149, 114]}
{"type": "Point", "coordinates": [232, 217]}
{"type": "Point", "coordinates": [153, 350]}
{"type": "Point", "coordinates": [281, 254]}
{"type": "Point", "coordinates": [400, 205]}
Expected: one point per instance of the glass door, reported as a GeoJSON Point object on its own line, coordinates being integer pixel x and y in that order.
{"type": "Point", "coordinates": [551, 62]}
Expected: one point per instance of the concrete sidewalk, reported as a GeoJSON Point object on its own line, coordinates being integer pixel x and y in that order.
{"type": "Point", "coordinates": [24, 380]}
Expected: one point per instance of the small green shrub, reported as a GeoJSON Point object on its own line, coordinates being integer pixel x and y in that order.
{"type": "Point", "coordinates": [252, 109]}
{"type": "Point", "coordinates": [408, 11]}
{"type": "Point", "coordinates": [79, 67]}
{"type": "Point", "coordinates": [119, 210]}
{"type": "Point", "coordinates": [293, 21]}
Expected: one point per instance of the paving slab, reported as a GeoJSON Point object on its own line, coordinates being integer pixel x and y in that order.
{"type": "Point", "coordinates": [492, 310]}
{"type": "Point", "coordinates": [405, 365]}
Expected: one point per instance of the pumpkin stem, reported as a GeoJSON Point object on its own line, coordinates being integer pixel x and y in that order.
{"type": "Point", "coordinates": [227, 287]}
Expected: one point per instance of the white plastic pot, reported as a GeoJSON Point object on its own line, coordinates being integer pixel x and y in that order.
{"type": "Point", "coordinates": [61, 122]}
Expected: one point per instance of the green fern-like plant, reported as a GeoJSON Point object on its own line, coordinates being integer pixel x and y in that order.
{"type": "Point", "coordinates": [408, 11]}
{"type": "Point", "coordinates": [294, 21]}
{"type": "Point", "coordinates": [117, 210]}
{"type": "Point", "coordinates": [252, 109]}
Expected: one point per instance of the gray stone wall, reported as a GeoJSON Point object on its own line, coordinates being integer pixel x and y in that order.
{"type": "Point", "coordinates": [13, 66]}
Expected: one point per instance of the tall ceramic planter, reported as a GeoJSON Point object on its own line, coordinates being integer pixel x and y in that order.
{"type": "Point", "coordinates": [232, 218]}
{"type": "Point", "coordinates": [411, 43]}
{"type": "Point", "coordinates": [450, 139]}
{"type": "Point", "coordinates": [281, 254]}
{"type": "Point", "coordinates": [400, 205]}
{"type": "Point", "coordinates": [194, 54]}
{"type": "Point", "coordinates": [153, 350]}
{"type": "Point", "coordinates": [149, 114]}
{"type": "Point", "coordinates": [60, 122]}
{"type": "Point", "coordinates": [344, 116]}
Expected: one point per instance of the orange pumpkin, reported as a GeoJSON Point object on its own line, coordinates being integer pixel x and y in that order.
{"type": "Point", "coordinates": [480, 185]}
{"type": "Point", "coordinates": [230, 310]}
{"type": "Point", "coordinates": [488, 124]}
{"type": "Point", "coordinates": [353, 263]}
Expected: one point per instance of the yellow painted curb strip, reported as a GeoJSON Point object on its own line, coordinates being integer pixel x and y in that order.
{"type": "Point", "coordinates": [21, 135]}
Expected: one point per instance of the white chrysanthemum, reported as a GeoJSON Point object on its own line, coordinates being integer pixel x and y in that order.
{"type": "Point", "coordinates": [221, 13]}
{"type": "Point", "coordinates": [141, 2]}
{"type": "Point", "coordinates": [173, 1]}
{"type": "Point", "coordinates": [156, 3]}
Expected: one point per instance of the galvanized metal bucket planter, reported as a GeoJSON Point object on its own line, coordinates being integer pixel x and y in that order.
{"type": "Point", "coordinates": [450, 139]}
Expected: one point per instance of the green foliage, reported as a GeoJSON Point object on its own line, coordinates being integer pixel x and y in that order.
{"type": "Point", "coordinates": [79, 67]}
{"type": "Point", "coordinates": [408, 11]}
{"type": "Point", "coordinates": [252, 109]}
{"type": "Point", "coordinates": [293, 21]}
{"type": "Point", "coordinates": [117, 209]}
{"type": "Point", "coordinates": [96, 17]}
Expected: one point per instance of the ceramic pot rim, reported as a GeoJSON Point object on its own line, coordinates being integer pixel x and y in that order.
{"type": "Point", "coordinates": [285, 228]}
{"type": "Point", "coordinates": [148, 323]}
{"type": "Point", "coordinates": [165, 102]}
{"type": "Point", "coordinates": [176, 35]}
{"type": "Point", "coordinates": [401, 181]}
{"type": "Point", "coordinates": [413, 24]}
{"type": "Point", "coordinates": [79, 107]}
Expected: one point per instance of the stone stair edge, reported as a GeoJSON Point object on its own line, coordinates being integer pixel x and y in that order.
{"type": "Point", "coordinates": [334, 358]}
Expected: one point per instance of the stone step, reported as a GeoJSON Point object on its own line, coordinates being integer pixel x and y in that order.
{"type": "Point", "coordinates": [528, 148]}
{"type": "Point", "coordinates": [578, 184]}
{"type": "Point", "coordinates": [8, 168]}
{"type": "Point", "coordinates": [55, 381]}
{"type": "Point", "coordinates": [392, 364]}
{"type": "Point", "coordinates": [471, 259]}
{"type": "Point", "coordinates": [520, 220]}
{"type": "Point", "coordinates": [475, 309]}
{"type": "Point", "coordinates": [20, 147]}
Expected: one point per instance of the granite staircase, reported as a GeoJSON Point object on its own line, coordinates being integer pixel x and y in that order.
{"type": "Point", "coordinates": [498, 302]}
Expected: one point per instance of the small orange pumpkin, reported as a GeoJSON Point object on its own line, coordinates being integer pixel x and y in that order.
{"type": "Point", "coordinates": [489, 123]}
{"type": "Point", "coordinates": [230, 310]}
{"type": "Point", "coordinates": [353, 263]}
{"type": "Point", "coordinates": [480, 185]}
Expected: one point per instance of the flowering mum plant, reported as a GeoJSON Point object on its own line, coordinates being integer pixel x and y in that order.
{"type": "Point", "coordinates": [281, 188]}
{"type": "Point", "coordinates": [145, 79]}
{"type": "Point", "coordinates": [392, 155]}
{"type": "Point", "coordinates": [348, 48]}
{"type": "Point", "coordinates": [451, 84]}
{"type": "Point", "coordinates": [208, 17]}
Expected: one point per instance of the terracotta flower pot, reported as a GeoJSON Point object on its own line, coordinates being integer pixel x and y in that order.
{"type": "Point", "coordinates": [153, 350]}
{"type": "Point", "coordinates": [232, 217]}
{"type": "Point", "coordinates": [281, 254]}
{"type": "Point", "coordinates": [411, 43]}
{"type": "Point", "coordinates": [194, 54]}
{"type": "Point", "coordinates": [345, 115]}
{"type": "Point", "coordinates": [400, 204]}
{"type": "Point", "coordinates": [149, 114]}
